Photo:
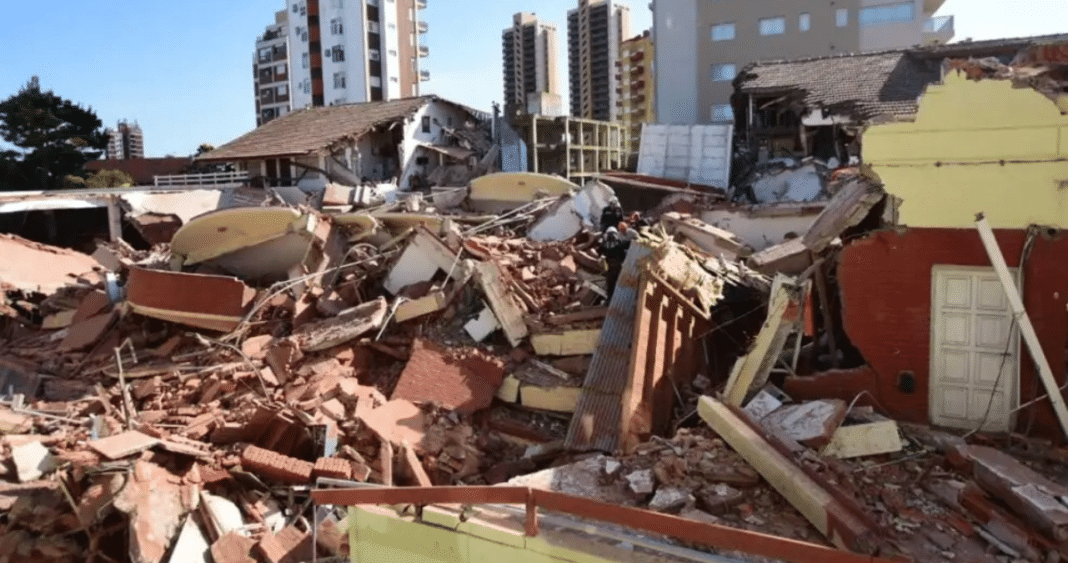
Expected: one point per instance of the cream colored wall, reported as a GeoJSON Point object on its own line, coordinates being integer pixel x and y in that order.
{"type": "Point", "coordinates": [946, 165]}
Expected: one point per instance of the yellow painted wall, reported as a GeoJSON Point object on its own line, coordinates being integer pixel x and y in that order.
{"type": "Point", "coordinates": [964, 121]}
{"type": "Point", "coordinates": [377, 534]}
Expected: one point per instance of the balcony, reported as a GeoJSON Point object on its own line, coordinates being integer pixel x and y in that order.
{"type": "Point", "coordinates": [938, 30]}
{"type": "Point", "coordinates": [424, 51]}
{"type": "Point", "coordinates": [420, 4]}
{"type": "Point", "coordinates": [424, 75]}
{"type": "Point", "coordinates": [422, 26]}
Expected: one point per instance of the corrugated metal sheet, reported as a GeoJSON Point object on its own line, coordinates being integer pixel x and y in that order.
{"type": "Point", "coordinates": [597, 419]}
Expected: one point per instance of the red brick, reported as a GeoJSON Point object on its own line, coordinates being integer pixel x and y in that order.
{"type": "Point", "coordinates": [465, 386]}
{"type": "Point", "coordinates": [333, 468]}
{"type": "Point", "coordinates": [287, 546]}
{"type": "Point", "coordinates": [276, 466]}
{"type": "Point", "coordinates": [885, 283]}
{"type": "Point", "coordinates": [233, 548]}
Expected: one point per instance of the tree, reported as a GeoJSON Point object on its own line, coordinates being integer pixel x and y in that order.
{"type": "Point", "coordinates": [109, 179]}
{"type": "Point", "coordinates": [53, 138]}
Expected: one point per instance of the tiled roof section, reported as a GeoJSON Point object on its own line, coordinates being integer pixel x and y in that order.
{"type": "Point", "coordinates": [865, 85]}
{"type": "Point", "coordinates": [309, 130]}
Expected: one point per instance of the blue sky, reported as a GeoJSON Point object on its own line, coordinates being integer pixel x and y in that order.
{"type": "Point", "coordinates": [183, 70]}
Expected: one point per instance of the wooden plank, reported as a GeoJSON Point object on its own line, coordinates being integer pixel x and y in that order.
{"type": "Point", "coordinates": [864, 439]}
{"type": "Point", "coordinates": [826, 513]}
{"type": "Point", "coordinates": [752, 369]}
{"type": "Point", "coordinates": [1027, 330]}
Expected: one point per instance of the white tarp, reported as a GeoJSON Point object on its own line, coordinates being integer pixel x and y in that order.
{"type": "Point", "coordinates": [698, 154]}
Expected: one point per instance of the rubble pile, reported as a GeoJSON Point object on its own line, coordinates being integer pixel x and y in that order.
{"type": "Point", "coordinates": [178, 404]}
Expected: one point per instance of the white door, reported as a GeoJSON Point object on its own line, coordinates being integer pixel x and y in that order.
{"type": "Point", "coordinates": [973, 340]}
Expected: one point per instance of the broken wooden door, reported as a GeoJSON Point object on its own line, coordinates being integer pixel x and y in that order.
{"type": "Point", "coordinates": [973, 340]}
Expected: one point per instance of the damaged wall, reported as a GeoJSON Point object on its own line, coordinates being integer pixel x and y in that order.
{"type": "Point", "coordinates": [441, 115]}
{"type": "Point", "coordinates": [761, 228]}
{"type": "Point", "coordinates": [886, 290]}
{"type": "Point", "coordinates": [967, 152]}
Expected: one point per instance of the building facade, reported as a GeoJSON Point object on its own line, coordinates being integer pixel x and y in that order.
{"type": "Point", "coordinates": [270, 71]}
{"type": "Point", "coordinates": [531, 80]}
{"type": "Point", "coordinates": [345, 51]}
{"type": "Point", "coordinates": [701, 45]}
{"type": "Point", "coordinates": [637, 85]}
{"type": "Point", "coordinates": [125, 141]}
{"type": "Point", "coordinates": [594, 32]}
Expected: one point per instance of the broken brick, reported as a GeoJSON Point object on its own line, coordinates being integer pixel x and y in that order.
{"type": "Point", "coordinates": [287, 546]}
{"type": "Point", "coordinates": [333, 468]}
{"type": "Point", "coordinates": [276, 466]}
{"type": "Point", "coordinates": [465, 386]}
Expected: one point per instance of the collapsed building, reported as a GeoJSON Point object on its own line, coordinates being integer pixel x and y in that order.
{"type": "Point", "coordinates": [837, 376]}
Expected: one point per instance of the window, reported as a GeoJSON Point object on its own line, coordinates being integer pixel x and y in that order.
{"type": "Point", "coordinates": [722, 112]}
{"type": "Point", "coordinates": [723, 32]}
{"type": "Point", "coordinates": [887, 13]}
{"type": "Point", "coordinates": [336, 4]}
{"type": "Point", "coordinates": [372, 27]}
{"type": "Point", "coordinates": [283, 90]}
{"type": "Point", "coordinates": [804, 22]}
{"type": "Point", "coordinates": [841, 17]}
{"type": "Point", "coordinates": [337, 53]}
{"type": "Point", "coordinates": [306, 85]}
{"type": "Point", "coordinates": [336, 28]}
{"type": "Point", "coordinates": [304, 60]}
{"type": "Point", "coordinates": [393, 52]}
{"type": "Point", "coordinates": [303, 9]}
{"type": "Point", "coordinates": [393, 79]}
{"type": "Point", "coordinates": [773, 26]}
{"type": "Point", "coordinates": [280, 68]}
{"type": "Point", "coordinates": [295, 8]}
{"type": "Point", "coordinates": [339, 80]}
{"type": "Point", "coordinates": [426, 124]}
{"type": "Point", "coordinates": [723, 72]}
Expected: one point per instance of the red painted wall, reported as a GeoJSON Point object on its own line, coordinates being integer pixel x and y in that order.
{"type": "Point", "coordinates": [885, 282]}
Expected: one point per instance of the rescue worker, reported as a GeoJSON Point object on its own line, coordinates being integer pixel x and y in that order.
{"type": "Point", "coordinates": [611, 215]}
{"type": "Point", "coordinates": [613, 249]}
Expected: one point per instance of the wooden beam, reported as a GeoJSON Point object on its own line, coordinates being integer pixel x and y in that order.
{"type": "Point", "coordinates": [753, 368]}
{"type": "Point", "coordinates": [1027, 330]}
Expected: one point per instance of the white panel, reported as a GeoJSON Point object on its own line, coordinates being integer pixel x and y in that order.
{"type": "Point", "coordinates": [953, 402]}
{"type": "Point", "coordinates": [956, 366]}
{"type": "Point", "coordinates": [956, 329]}
{"type": "Point", "coordinates": [958, 291]}
{"type": "Point", "coordinates": [992, 295]}
{"type": "Point", "coordinates": [991, 332]}
{"type": "Point", "coordinates": [696, 154]}
{"type": "Point", "coordinates": [987, 367]}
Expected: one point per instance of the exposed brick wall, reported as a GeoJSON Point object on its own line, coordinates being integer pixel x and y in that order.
{"type": "Point", "coordinates": [333, 468]}
{"type": "Point", "coordinates": [885, 282]}
{"type": "Point", "coordinates": [276, 466]}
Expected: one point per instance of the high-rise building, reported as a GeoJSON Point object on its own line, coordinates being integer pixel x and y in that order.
{"type": "Point", "coordinates": [701, 45]}
{"type": "Point", "coordinates": [594, 31]}
{"type": "Point", "coordinates": [341, 52]}
{"type": "Point", "coordinates": [531, 81]}
{"type": "Point", "coordinates": [637, 85]}
{"type": "Point", "coordinates": [270, 71]}
{"type": "Point", "coordinates": [125, 141]}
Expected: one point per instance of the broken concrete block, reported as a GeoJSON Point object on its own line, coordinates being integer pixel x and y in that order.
{"type": "Point", "coordinates": [397, 421]}
{"type": "Point", "coordinates": [566, 343]}
{"type": "Point", "coordinates": [32, 461]}
{"type": "Point", "coordinates": [612, 467]}
{"type": "Point", "coordinates": [84, 334]}
{"type": "Point", "coordinates": [505, 307]}
{"type": "Point", "coordinates": [421, 259]}
{"type": "Point", "coordinates": [334, 409]}
{"type": "Point", "coordinates": [583, 479]}
{"type": "Point", "coordinates": [669, 499]}
{"type": "Point", "coordinates": [351, 324]}
{"type": "Point", "coordinates": [557, 399]}
{"type": "Point", "coordinates": [480, 327]}
{"type": "Point", "coordinates": [509, 390]}
{"type": "Point", "coordinates": [762, 405]}
{"type": "Point", "coordinates": [191, 545]}
{"type": "Point", "coordinates": [811, 424]}
{"type": "Point", "coordinates": [198, 300]}
{"type": "Point", "coordinates": [123, 445]}
{"type": "Point", "coordinates": [465, 386]}
{"type": "Point", "coordinates": [412, 309]}
{"type": "Point", "coordinates": [156, 506]}
{"type": "Point", "coordinates": [864, 439]}
{"type": "Point", "coordinates": [641, 482]}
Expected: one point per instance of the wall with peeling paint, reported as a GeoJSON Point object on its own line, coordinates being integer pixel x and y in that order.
{"type": "Point", "coordinates": [947, 165]}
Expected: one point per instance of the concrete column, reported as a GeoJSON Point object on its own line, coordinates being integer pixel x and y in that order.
{"type": "Point", "coordinates": [114, 219]}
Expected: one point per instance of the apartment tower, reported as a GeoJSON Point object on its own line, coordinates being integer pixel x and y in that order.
{"type": "Point", "coordinates": [701, 45]}
{"type": "Point", "coordinates": [270, 70]}
{"type": "Point", "coordinates": [637, 85]}
{"type": "Point", "coordinates": [125, 141]}
{"type": "Point", "coordinates": [594, 31]}
{"type": "Point", "coordinates": [348, 51]}
{"type": "Point", "coordinates": [531, 80]}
